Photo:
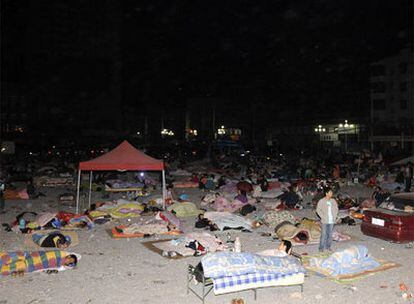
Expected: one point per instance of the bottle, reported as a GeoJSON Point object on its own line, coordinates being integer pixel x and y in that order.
{"type": "Point", "coordinates": [228, 237]}
{"type": "Point", "coordinates": [22, 223]}
{"type": "Point", "coordinates": [237, 245]}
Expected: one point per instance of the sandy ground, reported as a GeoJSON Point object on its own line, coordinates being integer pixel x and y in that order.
{"type": "Point", "coordinates": [124, 271]}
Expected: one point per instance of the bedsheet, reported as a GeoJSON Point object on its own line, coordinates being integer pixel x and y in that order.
{"type": "Point", "coordinates": [255, 280]}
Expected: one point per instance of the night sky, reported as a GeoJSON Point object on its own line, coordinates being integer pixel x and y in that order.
{"type": "Point", "coordinates": [87, 64]}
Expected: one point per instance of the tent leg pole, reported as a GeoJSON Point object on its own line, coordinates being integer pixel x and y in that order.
{"type": "Point", "coordinates": [78, 191]}
{"type": "Point", "coordinates": [164, 190]}
{"type": "Point", "coordinates": [90, 189]}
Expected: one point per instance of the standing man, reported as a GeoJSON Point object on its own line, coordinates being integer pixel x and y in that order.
{"type": "Point", "coordinates": [408, 175]}
{"type": "Point", "coordinates": [327, 210]}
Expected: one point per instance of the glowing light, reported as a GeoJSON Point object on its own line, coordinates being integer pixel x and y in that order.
{"type": "Point", "coordinates": [320, 129]}
{"type": "Point", "coordinates": [167, 132]}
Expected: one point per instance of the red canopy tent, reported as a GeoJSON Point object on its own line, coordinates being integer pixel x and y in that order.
{"type": "Point", "coordinates": [124, 157]}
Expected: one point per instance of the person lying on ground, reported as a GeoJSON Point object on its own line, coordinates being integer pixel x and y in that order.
{"type": "Point", "coordinates": [20, 262]}
{"type": "Point", "coordinates": [52, 240]}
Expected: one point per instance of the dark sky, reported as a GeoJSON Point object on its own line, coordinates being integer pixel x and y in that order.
{"type": "Point", "coordinates": [309, 58]}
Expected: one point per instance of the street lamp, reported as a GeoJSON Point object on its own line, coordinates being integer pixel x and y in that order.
{"type": "Point", "coordinates": [221, 131]}
{"type": "Point", "coordinates": [320, 129]}
{"type": "Point", "coordinates": [167, 132]}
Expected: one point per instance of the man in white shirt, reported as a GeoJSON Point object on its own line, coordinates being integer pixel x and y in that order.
{"type": "Point", "coordinates": [327, 210]}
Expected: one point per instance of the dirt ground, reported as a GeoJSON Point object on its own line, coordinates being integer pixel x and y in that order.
{"type": "Point", "coordinates": [124, 271]}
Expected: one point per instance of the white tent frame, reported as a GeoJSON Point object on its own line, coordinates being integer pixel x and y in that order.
{"type": "Point", "coordinates": [164, 189]}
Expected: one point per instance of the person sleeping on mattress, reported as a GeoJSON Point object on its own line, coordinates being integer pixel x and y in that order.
{"type": "Point", "coordinates": [283, 250]}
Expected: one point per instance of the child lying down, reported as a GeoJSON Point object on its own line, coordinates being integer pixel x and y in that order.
{"type": "Point", "coordinates": [20, 262]}
{"type": "Point", "coordinates": [54, 239]}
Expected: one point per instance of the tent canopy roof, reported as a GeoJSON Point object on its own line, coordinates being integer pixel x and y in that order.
{"type": "Point", "coordinates": [403, 161]}
{"type": "Point", "coordinates": [123, 157]}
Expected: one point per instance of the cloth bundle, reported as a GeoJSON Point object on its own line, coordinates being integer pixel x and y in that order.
{"type": "Point", "coordinates": [352, 260]}
{"type": "Point", "coordinates": [228, 220]}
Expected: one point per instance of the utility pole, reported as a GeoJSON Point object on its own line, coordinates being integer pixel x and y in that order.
{"type": "Point", "coordinates": [187, 122]}
{"type": "Point", "coordinates": [214, 120]}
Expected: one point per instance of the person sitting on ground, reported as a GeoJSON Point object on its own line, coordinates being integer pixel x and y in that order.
{"type": "Point", "coordinates": [284, 249]}
{"type": "Point", "coordinates": [52, 240]}
{"type": "Point", "coordinates": [171, 195]}
{"type": "Point", "coordinates": [202, 182]}
{"type": "Point", "coordinates": [209, 185]}
{"type": "Point", "coordinates": [400, 176]}
{"type": "Point", "coordinates": [379, 195]}
{"type": "Point", "coordinates": [31, 190]}
{"type": "Point", "coordinates": [221, 181]}
{"type": "Point", "coordinates": [372, 182]}
{"type": "Point", "coordinates": [242, 196]}
{"type": "Point", "coordinates": [194, 178]}
{"type": "Point", "coordinates": [308, 173]}
{"type": "Point", "coordinates": [262, 181]}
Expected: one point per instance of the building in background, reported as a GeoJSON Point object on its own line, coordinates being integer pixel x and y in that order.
{"type": "Point", "coordinates": [392, 101]}
{"type": "Point", "coordinates": [346, 136]}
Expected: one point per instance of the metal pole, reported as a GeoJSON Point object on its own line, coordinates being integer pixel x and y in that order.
{"type": "Point", "coordinates": [164, 190]}
{"type": "Point", "coordinates": [346, 143]}
{"type": "Point", "coordinates": [78, 191]}
{"type": "Point", "coordinates": [90, 189]}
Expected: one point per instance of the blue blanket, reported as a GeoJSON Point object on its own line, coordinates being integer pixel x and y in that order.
{"type": "Point", "coordinates": [352, 260]}
{"type": "Point", "coordinates": [227, 264]}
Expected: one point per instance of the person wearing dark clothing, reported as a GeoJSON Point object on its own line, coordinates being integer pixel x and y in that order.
{"type": "Point", "coordinates": [408, 176]}
{"type": "Point", "coordinates": [31, 190]}
{"type": "Point", "coordinates": [380, 196]}
{"type": "Point", "coordinates": [51, 240]}
{"type": "Point", "coordinates": [400, 176]}
{"type": "Point", "coordinates": [264, 184]}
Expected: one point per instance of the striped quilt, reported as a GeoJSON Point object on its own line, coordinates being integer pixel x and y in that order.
{"type": "Point", "coordinates": [26, 261]}
{"type": "Point", "coordinates": [255, 280]}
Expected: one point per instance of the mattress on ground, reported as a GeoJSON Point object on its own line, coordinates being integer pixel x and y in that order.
{"type": "Point", "coordinates": [255, 280]}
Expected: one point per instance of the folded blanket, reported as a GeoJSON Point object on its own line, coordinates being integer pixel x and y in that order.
{"type": "Point", "coordinates": [352, 260]}
{"type": "Point", "coordinates": [184, 209]}
{"type": "Point", "coordinates": [273, 218]}
{"type": "Point", "coordinates": [227, 264]}
{"type": "Point", "coordinates": [127, 210]}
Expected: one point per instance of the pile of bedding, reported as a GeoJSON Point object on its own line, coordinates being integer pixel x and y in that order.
{"type": "Point", "coordinates": [227, 220]}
